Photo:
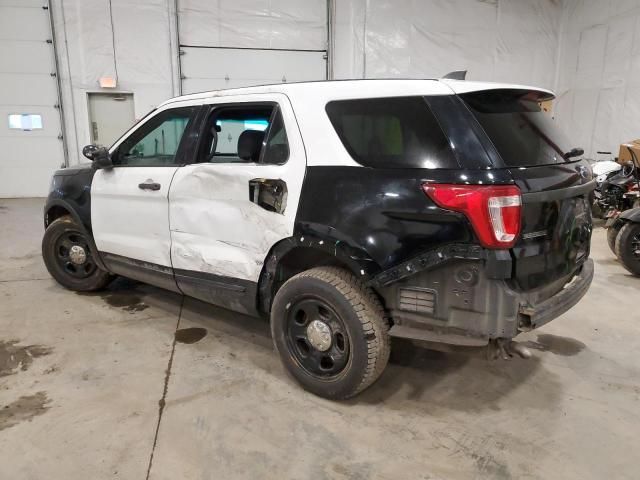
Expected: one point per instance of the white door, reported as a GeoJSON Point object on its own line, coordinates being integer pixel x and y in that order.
{"type": "Point", "coordinates": [29, 121]}
{"type": "Point", "coordinates": [228, 209]}
{"type": "Point", "coordinates": [129, 202]}
{"type": "Point", "coordinates": [210, 68]}
{"type": "Point", "coordinates": [110, 114]}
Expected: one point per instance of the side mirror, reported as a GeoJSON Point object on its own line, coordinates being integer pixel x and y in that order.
{"type": "Point", "coordinates": [98, 155]}
{"type": "Point", "coordinates": [89, 151]}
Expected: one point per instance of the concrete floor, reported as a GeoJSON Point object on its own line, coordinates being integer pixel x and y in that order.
{"type": "Point", "coordinates": [82, 379]}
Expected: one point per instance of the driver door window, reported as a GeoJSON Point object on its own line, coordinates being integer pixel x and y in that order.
{"type": "Point", "coordinates": [156, 143]}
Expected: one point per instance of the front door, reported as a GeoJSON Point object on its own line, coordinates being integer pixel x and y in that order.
{"type": "Point", "coordinates": [129, 202]}
{"type": "Point", "coordinates": [237, 200]}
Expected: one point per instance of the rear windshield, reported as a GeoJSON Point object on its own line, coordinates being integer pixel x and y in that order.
{"type": "Point", "coordinates": [521, 131]}
{"type": "Point", "coordinates": [398, 132]}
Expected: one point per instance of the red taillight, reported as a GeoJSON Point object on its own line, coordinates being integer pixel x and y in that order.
{"type": "Point", "coordinates": [493, 210]}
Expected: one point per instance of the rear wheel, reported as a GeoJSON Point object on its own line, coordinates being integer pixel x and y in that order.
{"type": "Point", "coordinates": [69, 259]}
{"type": "Point", "coordinates": [330, 332]}
{"type": "Point", "coordinates": [628, 247]}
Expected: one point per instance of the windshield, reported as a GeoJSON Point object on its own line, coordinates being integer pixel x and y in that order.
{"type": "Point", "coordinates": [521, 131]}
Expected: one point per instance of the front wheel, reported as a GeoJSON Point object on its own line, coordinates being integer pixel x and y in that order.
{"type": "Point", "coordinates": [628, 247]}
{"type": "Point", "coordinates": [330, 331]}
{"type": "Point", "coordinates": [69, 259]}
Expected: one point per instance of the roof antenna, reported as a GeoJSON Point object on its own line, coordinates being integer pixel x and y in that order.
{"type": "Point", "coordinates": [457, 75]}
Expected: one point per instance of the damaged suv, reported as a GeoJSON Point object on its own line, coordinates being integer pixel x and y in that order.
{"type": "Point", "coordinates": [349, 212]}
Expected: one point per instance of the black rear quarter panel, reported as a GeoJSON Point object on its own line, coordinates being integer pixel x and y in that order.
{"type": "Point", "coordinates": [384, 212]}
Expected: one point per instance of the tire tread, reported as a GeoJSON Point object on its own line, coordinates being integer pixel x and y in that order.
{"type": "Point", "coordinates": [621, 240]}
{"type": "Point", "coordinates": [369, 311]}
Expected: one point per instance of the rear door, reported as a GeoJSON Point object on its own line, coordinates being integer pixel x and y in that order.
{"type": "Point", "coordinates": [129, 202]}
{"type": "Point", "coordinates": [554, 179]}
{"type": "Point", "coordinates": [238, 198]}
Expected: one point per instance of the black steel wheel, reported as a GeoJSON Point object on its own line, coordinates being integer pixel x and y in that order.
{"type": "Point", "coordinates": [317, 338]}
{"type": "Point", "coordinates": [73, 255]}
{"type": "Point", "coordinates": [628, 247]}
{"type": "Point", "coordinates": [330, 332]}
{"type": "Point", "coordinates": [69, 259]}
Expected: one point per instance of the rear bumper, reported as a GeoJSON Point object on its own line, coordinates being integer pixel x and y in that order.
{"type": "Point", "coordinates": [534, 316]}
{"type": "Point", "coordinates": [459, 305]}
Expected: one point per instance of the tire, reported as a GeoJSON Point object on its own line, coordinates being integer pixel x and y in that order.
{"type": "Point", "coordinates": [81, 276]}
{"type": "Point", "coordinates": [357, 332]}
{"type": "Point", "coordinates": [628, 247]}
{"type": "Point", "coordinates": [612, 234]}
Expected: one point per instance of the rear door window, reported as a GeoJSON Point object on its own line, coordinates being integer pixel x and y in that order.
{"type": "Point", "coordinates": [521, 131]}
{"type": "Point", "coordinates": [397, 132]}
{"type": "Point", "coordinates": [261, 125]}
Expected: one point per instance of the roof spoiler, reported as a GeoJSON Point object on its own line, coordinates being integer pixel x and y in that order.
{"type": "Point", "coordinates": [456, 75]}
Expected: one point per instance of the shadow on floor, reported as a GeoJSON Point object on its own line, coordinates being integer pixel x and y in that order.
{"type": "Point", "coordinates": [624, 279]}
{"type": "Point", "coordinates": [415, 379]}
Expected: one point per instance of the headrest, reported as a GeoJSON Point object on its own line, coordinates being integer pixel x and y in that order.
{"type": "Point", "coordinates": [249, 145]}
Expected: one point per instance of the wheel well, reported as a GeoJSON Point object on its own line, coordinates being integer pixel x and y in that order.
{"type": "Point", "coordinates": [298, 260]}
{"type": "Point", "coordinates": [54, 213]}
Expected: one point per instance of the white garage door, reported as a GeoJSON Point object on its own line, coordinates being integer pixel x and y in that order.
{"type": "Point", "coordinates": [211, 68]}
{"type": "Point", "coordinates": [239, 43]}
{"type": "Point", "coordinates": [29, 122]}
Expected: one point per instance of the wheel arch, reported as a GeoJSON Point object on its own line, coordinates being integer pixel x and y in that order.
{"type": "Point", "coordinates": [57, 208]}
{"type": "Point", "coordinates": [296, 254]}
{"type": "Point", "coordinates": [631, 215]}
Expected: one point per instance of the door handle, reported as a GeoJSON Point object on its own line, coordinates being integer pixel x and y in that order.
{"type": "Point", "coordinates": [149, 185]}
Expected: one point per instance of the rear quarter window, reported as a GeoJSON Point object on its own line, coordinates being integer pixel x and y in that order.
{"type": "Point", "coordinates": [523, 134]}
{"type": "Point", "coordinates": [398, 132]}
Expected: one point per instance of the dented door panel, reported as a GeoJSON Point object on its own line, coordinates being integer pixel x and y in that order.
{"type": "Point", "coordinates": [216, 228]}
{"type": "Point", "coordinates": [225, 217]}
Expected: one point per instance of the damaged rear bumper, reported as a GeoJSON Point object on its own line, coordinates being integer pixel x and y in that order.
{"type": "Point", "coordinates": [463, 302]}
{"type": "Point", "coordinates": [537, 315]}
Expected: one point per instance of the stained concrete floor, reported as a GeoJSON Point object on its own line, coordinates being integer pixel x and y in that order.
{"type": "Point", "coordinates": [83, 379]}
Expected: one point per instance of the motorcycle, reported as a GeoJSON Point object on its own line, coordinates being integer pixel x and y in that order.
{"type": "Point", "coordinates": [617, 187]}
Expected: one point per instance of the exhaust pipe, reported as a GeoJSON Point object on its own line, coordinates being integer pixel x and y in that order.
{"type": "Point", "coordinates": [506, 348]}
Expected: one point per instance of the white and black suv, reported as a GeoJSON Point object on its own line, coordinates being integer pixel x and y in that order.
{"type": "Point", "coordinates": [443, 211]}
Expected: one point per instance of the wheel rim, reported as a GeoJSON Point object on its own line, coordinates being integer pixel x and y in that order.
{"type": "Point", "coordinates": [635, 246]}
{"type": "Point", "coordinates": [317, 338]}
{"type": "Point", "coordinates": [73, 256]}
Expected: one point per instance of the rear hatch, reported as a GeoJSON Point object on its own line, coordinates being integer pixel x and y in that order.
{"type": "Point", "coordinates": [554, 179]}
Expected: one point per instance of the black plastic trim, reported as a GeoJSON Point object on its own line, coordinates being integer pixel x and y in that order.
{"type": "Point", "coordinates": [233, 293]}
{"type": "Point", "coordinates": [427, 261]}
{"type": "Point", "coordinates": [147, 272]}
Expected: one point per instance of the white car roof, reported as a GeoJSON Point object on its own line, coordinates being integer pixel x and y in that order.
{"type": "Point", "coordinates": [342, 89]}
